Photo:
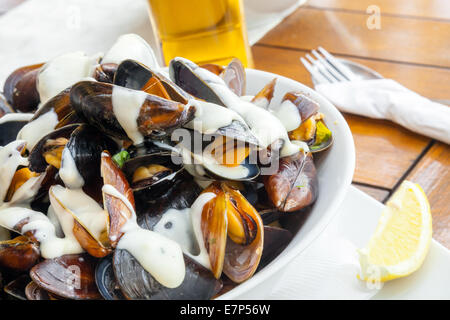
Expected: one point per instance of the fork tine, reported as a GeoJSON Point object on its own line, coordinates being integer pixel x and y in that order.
{"type": "Point", "coordinates": [323, 71]}
{"type": "Point", "coordinates": [337, 65]}
{"type": "Point", "coordinates": [314, 73]}
{"type": "Point", "coordinates": [329, 67]}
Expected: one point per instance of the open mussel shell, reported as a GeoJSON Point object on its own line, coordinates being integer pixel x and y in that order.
{"type": "Point", "coordinates": [86, 145]}
{"type": "Point", "coordinates": [158, 173]}
{"type": "Point", "coordinates": [180, 195]}
{"type": "Point", "coordinates": [105, 72]}
{"type": "Point", "coordinates": [20, 88]}
{"type": "Point", "coordinates": [106, 280]}
{"type": "Point", "coordinates": [305, 105]}
{"type": "Point", "coordinates": [10, 125]}
{"type": "Point", "coordinates": [36, 157]}
{"type": "Point", "coordinates": [19, 254]}
{"type": "Point", "coordinates": [134, 75]}
{"type": "Point", "coordinates": [265, 95]}
{"type": "Point", "coordinates": [117, 210]}
{"type": "Point", "coordinates": [294, 186]}
{"type": "Point", "coordinates": [184, 73]}
{"type": "Point", "coordinates": [157, 117]}
{"type": "Point", "coordinates": [199, 162]}
{"type": "Point", "coordinates": [69, 276]}
{"type": "Point", "coordinates": [92, 239]}
{"type": "Point", "coordinates": [234, 76]}
{"type": "Point", "coordinates": [137, 284]}
{"type": "Point", "coordinates": [323, 138]}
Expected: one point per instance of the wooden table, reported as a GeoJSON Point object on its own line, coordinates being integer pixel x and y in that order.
{"type": "Point", "coordinates": [412, 47]}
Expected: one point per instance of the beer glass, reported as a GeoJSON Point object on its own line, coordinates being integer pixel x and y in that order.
{"type": "Point", "coordinates": [204, 31]}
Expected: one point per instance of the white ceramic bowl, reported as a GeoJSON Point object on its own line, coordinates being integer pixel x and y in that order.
{"type": "Point", "coordinates": [335, 172]}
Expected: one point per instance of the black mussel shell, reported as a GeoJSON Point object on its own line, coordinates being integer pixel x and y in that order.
{"type": "Point", "coordinates": [20, 88]}
{"type": "Point", "coordinates": [16, 288]}
{"type": "Point", "coordinates": [86, 144]}
{"type": "Point", "coordinates": [158, 117]}
{"type": "Point", "coordinates": [183, 73]}
{"type": "Point", "coordinates": [9, 128]}
{"type": "Point", "coordinates": [60, 104]}
{"type": "Point", "coordinates": [106, 281]}
{"type": "Point", "coordinates": [180, 195]}
{"type": "Point", "coordinates": [36, 157]}
{"type": "Point", "coordinates": [275, 241]}
{"type": "Point", "coordinates": [137, 284]}
{"type": "Point", "coordinates": [134, 75]}
{"type": "Point", "coordinates": [158, 184]}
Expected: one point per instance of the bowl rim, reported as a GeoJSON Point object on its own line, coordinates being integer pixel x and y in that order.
{"type": "Point", "coordinates": [283, 259]}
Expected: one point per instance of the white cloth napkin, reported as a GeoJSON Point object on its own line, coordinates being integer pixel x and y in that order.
{"type": "Point", "coordinates": [387, 99]}
{"type": "Point", "coordinates": [39, 30]}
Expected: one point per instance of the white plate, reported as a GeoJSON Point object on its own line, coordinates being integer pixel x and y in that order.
{"type": "Point", "coordinates": [335, 171]}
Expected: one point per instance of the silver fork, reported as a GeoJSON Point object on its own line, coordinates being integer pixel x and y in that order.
{"type": "Point", "coordinates": [326, 68]}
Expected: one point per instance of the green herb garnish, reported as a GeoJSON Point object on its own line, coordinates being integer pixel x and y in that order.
{"type": "Point", "coordinates": [120, 158]}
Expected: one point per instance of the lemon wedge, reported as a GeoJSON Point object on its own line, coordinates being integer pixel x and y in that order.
{"type": "Point", "coordinates": [402, 238]}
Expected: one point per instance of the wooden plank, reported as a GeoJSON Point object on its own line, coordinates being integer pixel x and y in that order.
{"type": "Point", "coordinates": [376, 193]}
{"type": "Point", "coordinates": [432, 173]}
{"type": "Point", "coordinates": [437, 9]}
{"type": "Point", "coordinates": [427, 81]}
{"type": "Point", "coordinates": [399, 39]}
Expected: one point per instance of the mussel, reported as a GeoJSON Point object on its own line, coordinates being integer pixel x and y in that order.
{"type": "Point", "coordinates": [128, 114]}
{"type": "Point", "coordinates": [312, 128]}
{"type": "Point", "coordinates": [233, 233]}
{"type": "Point", "coordinates": [137, 284]}
{"type": "Point", "coordinates": [19, 254]}
{"type": "Point", "coordinates": [69, 276]}
{"type": "Point", "coordinates": [134, 75]}
{"type": "Point", "coordinates": [10, 126]}
{"type": "Point", "coordinates": [294, 185]}
{"type": "Point", "coordinates": [222, 159]}
{"type": "Point", "coordinates": [20, 88]}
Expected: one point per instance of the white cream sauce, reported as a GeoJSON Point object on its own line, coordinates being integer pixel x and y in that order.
{"type": "Point", "coordinates": [33, 131]}
{"type": "Point", "coordinates": [68, 172]}
{"type": "Point", "coordinates": [196, 219]}
{"type": "Point", "coordinates": [16, 117]}
{"type": "Point", "coordinates": [131, 46]}
{"type": "Point", "coordinates": [43, 230]}
{"type": "Point", "coordinates": [54, 220]}
{"type": "Point", "coordinates": [10, 160]}
{"type": "Point", "coordinates": [127, 105]}
{"type": "Point", "coordinates": [157, 254]}
{"type": "Point", "coordinates": [64, 71]}
{"type": "Point", "coordinates": [176, 225]}
{"type": "Point", "coordinates": [83, 208]}
{"type": "Point", "coordinates": [25, 194]}
{"type": "Point", "coordinates": [288, 114]}
{"type": "Point", "coordinates": [210, 117]}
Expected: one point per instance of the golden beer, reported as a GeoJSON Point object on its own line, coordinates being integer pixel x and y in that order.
{"type": "Point", "coordinates": [204, 31]}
